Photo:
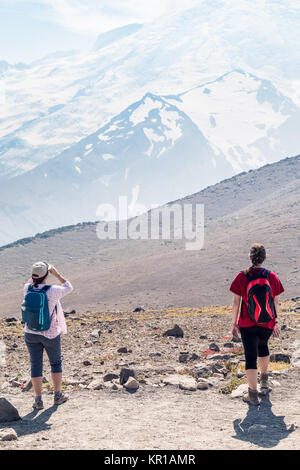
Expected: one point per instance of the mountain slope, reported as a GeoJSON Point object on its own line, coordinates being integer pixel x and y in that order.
{"type": "Point", "coordinates": [257, 206]}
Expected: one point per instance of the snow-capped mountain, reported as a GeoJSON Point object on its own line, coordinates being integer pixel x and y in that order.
{"type": "Point", "coordinates": [158, 149]}
{"type": "Point", "coordinates": [244, 117]}
{"type": "Point", "coordinates": [152, 152]}
{"type": "Point", "coordinates": [53, 103]}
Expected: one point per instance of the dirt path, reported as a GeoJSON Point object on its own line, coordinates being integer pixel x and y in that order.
{"type": "Point", "coordinates": [160, 419]}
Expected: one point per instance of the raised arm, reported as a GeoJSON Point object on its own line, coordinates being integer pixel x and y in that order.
{"type": "Point", "coordinates": [55, 273]}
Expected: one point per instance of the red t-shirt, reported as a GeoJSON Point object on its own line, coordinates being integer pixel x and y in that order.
{"type": "Point", "coordinates": [239, 287]}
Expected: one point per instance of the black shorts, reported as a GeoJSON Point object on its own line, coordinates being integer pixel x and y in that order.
{"type": "Point", "coordinates": [255, 341]}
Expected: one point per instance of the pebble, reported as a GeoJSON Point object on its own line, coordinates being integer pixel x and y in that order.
{"type": "Point", "coordinates": [8, 434]}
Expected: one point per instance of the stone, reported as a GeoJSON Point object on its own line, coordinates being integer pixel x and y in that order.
{"type": "Point", "coordinates": [95, 334]}
{"type": "Point", "coordinates": [228, 345]}
{"type": "Point", "coordinates": [123, 350]}
{"type": "Point", "coordinates": [240, 374]}
{"type": "Point", "coordinates": [176, 331]}
{"type": "Point", "coordinates": [9, 320]}
{"type": "Point", "coordinates": [280, 357]}
{"type": "Point", "coordinates": [185, 357]}
{"type": "Point", "coordinates": [8, 412]}
{"type": "Point", "coordinates": [203, 336]}
{"type": "Point", "coordinates": [131, 384]}
{"type": "Point", "coordinates": [240, 391]}
{"type": "Point", "coordinates": [87, 363]}
{"type": "Point", "coordinates": [203, 384]}
{"type": "Point", "coordinates": [236, 340]}
{"type": "Point", "coordinates": [138, 309]}
{"type": "Point", "coordinates": [110, 377]}
{"type": "Point", "coordinates": [95, 385]}
{"type": "Point", "coordinates": [125, 374]}
{"type": "Point", "coordinates": [8, 434]}
{"type": "Point", "coordinates": [214, 347]}
{"type": "Point", "coordinates": [27, 386]}
{"type": "Point", "coordinates": [220, 357]}
{"type": "Point", "coordinates": [181, 381]}
{"type": "Point", "coordinates": [158, 354]}
{"type": "Point", "coordinates": [14, 383]}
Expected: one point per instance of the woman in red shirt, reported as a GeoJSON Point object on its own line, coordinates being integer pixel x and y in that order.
{"type": "Point", "coordinates": [254, 335]}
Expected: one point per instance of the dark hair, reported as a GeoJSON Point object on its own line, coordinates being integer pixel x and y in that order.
{"type": "Point", "coordinates": [257, 255]}
{"type": "Point", "coordinates": [38, 281]}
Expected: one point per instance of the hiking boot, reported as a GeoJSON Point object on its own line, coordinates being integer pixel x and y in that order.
{"type": "Point", "coordinates": [60, 399]}
{"type": "Point", "coordinates": [38, 405]}
{"type": "Point", "coordinates": [252, 397]}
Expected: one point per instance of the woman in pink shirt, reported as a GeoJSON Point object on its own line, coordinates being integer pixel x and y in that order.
{"type": "Point", "coordinates": [50, 340]}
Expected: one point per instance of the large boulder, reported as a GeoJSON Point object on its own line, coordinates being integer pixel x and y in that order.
{"type": "Point", "coordinates": [8, 412]}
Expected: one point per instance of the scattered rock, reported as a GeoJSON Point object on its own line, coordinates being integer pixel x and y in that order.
{"type": "Point", "coordinates": [219, 369]}
{"type": "Point", "coordinates": [125, 374]}
{"type": "Point", "coordinates": [214, 347]}
{"type": "Point", "coordinates": [181, 381]}
{"type": "Point", "coordinates": [138, 309]}
{"type": "Point", "coordinates": [95, 334]}
{"type": "Point", "coordinates": [220, 357]}
{"type": "Point", "coordinates": [8, 434]}
{"type": "Point", "coordinates": [14, 383]}
{"type": "Point", "coordinates": [203, 336]}
{"type": "Point", "coordinates": [236, 340]}
{"type": "Point", "coordinates": [240, 374]}
{"type": "Point", "coordinates": [87, 363]}
{"type": "Point", "coordinates": [123, 350]}
{"type": "Point", "coordinates": [110, 377]}
{"type": "Point", "coordinates": [280, 357]}
{"type": "Point", "coordinates": [240, 391]}
{"type": "Point", "coordinates": [185, 357]}
{"type": "Point", "coordinates": [9, 320]}
{"type": "Point", "coordinates": [95, 385]}
{"type": "Point", "coordinates": [176, 331]}
{"type": "Point", "coordinates": [203, 384]}
{"type": "Point", "coordinates": [131, 384]}
{"type": "Point", "coordinates": [228, 345]}
{"type": "Point", "coordinates": [27, 386]}
{"type": "Point", "coordinates": [158, 354]}
{"type": "Point", "coordinates": [70, 313]}
{"type": "Point", "coordinates": [8, 412]}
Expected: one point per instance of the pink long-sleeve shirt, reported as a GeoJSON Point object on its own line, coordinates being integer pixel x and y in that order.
{"type": "Point", "coordinates": [58, 323]}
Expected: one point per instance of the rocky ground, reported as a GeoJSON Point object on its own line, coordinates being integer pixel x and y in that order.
{"type": "Point", "coordinates": [134, 385]}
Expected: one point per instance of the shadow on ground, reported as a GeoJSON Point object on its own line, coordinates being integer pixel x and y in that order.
{"type": "Point", "coordinates": [261, 427]}
{"type": "Point", "coordinates": [32, 423]}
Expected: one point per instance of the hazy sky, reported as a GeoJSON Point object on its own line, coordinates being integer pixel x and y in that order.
{"type": "Point", "coordinates": [30, 29]}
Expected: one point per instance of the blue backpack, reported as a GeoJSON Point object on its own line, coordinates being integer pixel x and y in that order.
{"type": "Point", "coordinates": [35, 309]}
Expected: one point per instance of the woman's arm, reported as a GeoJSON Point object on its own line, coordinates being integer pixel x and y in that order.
{"type": "Point", "coordinates": [276, 332]}
{"type": "Point", "coordinates": [235, 314]}
{"type": "Point", "coordinates": [55, 273]}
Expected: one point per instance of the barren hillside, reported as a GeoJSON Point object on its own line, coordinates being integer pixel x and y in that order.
{"type": "Point", "coordinates": [261, 205]}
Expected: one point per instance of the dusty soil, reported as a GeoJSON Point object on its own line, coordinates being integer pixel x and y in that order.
{"type": "Point", "coordinates": [163, 413]}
